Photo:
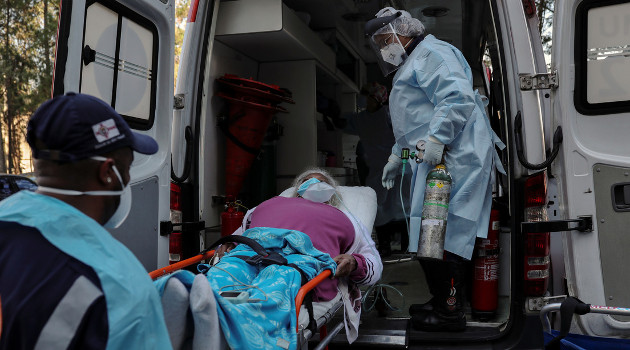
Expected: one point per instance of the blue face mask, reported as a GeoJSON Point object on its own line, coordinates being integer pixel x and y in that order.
{"type": "Point", "coordinates": [316, 191]}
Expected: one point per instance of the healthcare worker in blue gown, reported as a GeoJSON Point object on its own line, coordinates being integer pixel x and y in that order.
{"type": "Point", "coordinates": [432, 100]}
{"type": "Point", "coordinates": [65, 282]}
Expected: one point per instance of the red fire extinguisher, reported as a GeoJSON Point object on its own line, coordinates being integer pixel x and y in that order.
{"type": "Point", "coordinates": [231, 218]}
{"type": "Point", "coordinates": [485, 287]}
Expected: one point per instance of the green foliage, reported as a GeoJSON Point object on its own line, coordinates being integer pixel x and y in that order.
{"type": "Point", "coordinates": [27, 36]}
{"type": "Point", "coordinates": [27, 42]}
{"type": "Point", "coordinates": [545, 9]}
{"type": "Point", "coordinates": [181, 18]}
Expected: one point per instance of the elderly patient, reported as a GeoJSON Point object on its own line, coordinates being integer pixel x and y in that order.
{"type": "Point", "coordinates": [317, 210]}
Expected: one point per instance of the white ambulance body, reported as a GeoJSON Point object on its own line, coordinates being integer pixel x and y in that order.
{"type": "Point", "coordinates": [122, 51]}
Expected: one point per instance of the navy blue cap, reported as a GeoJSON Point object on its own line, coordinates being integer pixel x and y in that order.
{"type": "Point", "coordinates": [76, 126]}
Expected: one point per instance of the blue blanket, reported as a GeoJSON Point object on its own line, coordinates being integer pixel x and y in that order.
{"type": "Point", "coordinates": [268, 320]}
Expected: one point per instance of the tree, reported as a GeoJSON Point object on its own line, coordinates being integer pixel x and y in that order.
{"type": "Point", "coordinates": [544, 9]}
{"type": "Point", "coordinates": [27, 35]}
{"type": "Point", "coordinates": [27, 41]}
{"type": "Point", "coordinates": [181, 18]}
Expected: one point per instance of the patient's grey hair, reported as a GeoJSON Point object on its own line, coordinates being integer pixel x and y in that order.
{"type": "Point", "coordinates": [335, 201]}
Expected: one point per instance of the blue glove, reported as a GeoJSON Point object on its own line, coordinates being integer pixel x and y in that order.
{"type": "Point", "coordinates": [390, 171]}
{"type": "Point", "coordinates": [433, 150]}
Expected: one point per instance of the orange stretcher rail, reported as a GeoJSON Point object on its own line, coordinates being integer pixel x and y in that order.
{"type": "Point", "coordinates": [179, 265]}
{"type": "Point", "coordinates": [299, 298]}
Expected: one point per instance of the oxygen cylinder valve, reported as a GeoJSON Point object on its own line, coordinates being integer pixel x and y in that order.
{"type": "Point", "coordinates": [417, 156]}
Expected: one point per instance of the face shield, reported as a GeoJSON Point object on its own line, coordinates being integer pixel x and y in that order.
{"type": "Point", "coordinates": [389, 51]}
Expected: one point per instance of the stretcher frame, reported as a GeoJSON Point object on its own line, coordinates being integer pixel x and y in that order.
{"type": "Point", "coordinates": [304, 335]}
{"type": "Point", "coordinates": [578, 341]}
{"type": "Point", "coordinates": [595, 309]}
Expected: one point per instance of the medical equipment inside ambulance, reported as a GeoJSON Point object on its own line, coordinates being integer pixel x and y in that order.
{"type": "Point", "coordinates": [251, 105]}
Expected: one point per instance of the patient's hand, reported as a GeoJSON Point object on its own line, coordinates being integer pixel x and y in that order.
{"type": "Point", "coordinates": [346, 263]}
{"type": "Point", "coordinates": [224, 248]}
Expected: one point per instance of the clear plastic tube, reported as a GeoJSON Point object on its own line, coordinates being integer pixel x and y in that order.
{"type": "Point", "coordinates": [378, 293]}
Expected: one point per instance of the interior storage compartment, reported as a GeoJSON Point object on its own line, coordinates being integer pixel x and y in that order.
{"type": "Point", "coordinates": [267, 41]}
{"type": "Point", "coordinates": [269, 31]}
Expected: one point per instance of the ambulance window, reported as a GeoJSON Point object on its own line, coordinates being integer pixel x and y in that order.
{"type": "Point", "coordinates": [119, 62]}
{"type": "Point", "coordinates": [602, 57]}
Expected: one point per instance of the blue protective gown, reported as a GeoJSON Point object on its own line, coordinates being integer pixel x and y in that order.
{"type": "Point", "coordinates": [134, 311]}
{"type": "Point", "coordinates": [432, 95]}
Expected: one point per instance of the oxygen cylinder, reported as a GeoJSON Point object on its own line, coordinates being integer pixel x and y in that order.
{"type": "Point", "coordinates": [231, 219]}
{"type": "Point", "coordinates": [434, 213]}
{"type": "Point", "coordinates": [485, 288]}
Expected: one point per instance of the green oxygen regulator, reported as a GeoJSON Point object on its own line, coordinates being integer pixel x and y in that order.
{"type": "Point", "coordinates": [417, 156]}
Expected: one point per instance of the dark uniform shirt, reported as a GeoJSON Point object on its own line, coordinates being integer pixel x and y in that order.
{"type": "Point", "coordinates": [49, 300]}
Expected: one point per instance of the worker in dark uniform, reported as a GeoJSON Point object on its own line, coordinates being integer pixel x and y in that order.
{"type": "Point", "coordinates": [65, 282]}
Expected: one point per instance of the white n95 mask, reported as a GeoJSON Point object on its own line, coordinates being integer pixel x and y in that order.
{"type": "Point", "coordinates": [122, 211]}
{"type": "Point", "coordinates": [316, 191]}
{"type": "Point", "coordinates": [393, 54]}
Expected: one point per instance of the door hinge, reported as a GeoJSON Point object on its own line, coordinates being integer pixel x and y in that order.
{"type": "Point", "coordinates": [538, 81]}
{"type": "Point", "coordinates": [584, 224]}
{"type": "Point", "coordinates": [178, 101]}
{"type": "Point", "coordinates": [167, 227]}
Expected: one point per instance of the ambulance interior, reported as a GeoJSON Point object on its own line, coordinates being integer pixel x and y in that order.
{"type": "Point", "coordinates": [317, 50]}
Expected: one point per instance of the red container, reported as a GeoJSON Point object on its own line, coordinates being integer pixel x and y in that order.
{"type": "Point", "coordinates": [485, 288]}
{"type": "Point", "coordinates": [247, 123]}
{"type": "Point", "coordinates": [231, 220]}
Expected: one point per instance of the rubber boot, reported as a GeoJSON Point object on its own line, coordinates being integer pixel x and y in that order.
{"type": "Point", "coordinates": [448, 307]}
{"type": "Point", "coordinates": [432, 275]}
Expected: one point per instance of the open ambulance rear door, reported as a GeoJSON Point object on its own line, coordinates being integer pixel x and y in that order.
{"type": "Point", "coordinates": [122, 52]}
{"type": "Point", "coordinates": [592, 104]}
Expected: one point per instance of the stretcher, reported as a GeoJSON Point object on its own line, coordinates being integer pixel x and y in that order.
{"type": "Point", "coordinates": [361, 202]}
{"type": "Point", "coordinates": [564, 340]}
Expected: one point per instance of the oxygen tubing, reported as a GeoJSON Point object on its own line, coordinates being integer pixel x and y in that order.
{"type": "Point", "coordinates": [378, 293]}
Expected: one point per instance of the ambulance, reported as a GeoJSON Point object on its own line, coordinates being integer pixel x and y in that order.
{"type": "Point", "coordinates": [563, 207]}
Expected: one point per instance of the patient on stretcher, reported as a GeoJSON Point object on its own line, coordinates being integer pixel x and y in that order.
{"type": "Point", "coordinates": [323, 216]}
{"type": "Point", "coordinates": [314, 231]}
{"type": "Point", "coordinates": [329, 225]}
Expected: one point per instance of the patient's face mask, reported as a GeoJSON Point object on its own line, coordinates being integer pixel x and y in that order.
{"type": "Point", "coordinates": [125, 197]}
{"type": "Point", "coordinates": [316, 191]}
